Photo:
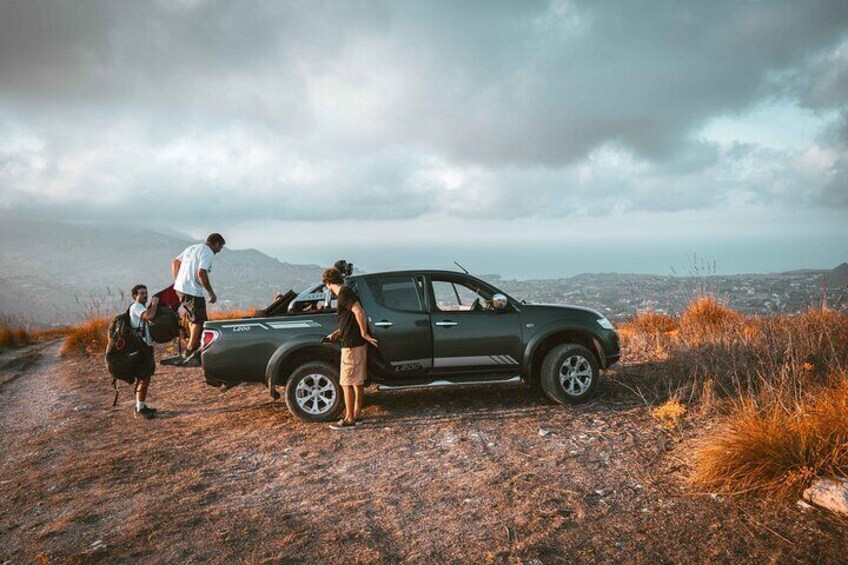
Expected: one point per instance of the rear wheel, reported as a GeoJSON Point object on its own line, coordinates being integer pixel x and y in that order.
{"type": "Point", "coordinates": [313, 393]}
{"type": "Point", "coordinates": [569, 374]}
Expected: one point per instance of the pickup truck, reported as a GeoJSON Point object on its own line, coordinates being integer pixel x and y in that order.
{"type": "Point", "coordinates": [434, 329]}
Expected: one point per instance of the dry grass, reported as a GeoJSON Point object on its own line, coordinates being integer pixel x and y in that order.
{"type": "Point", "coordinates": [766, 444]}
{"type": "Point", "coordinates": [707, 318]}
{"type": "Point", "coordinates": [669, 414]}
{"type": "Point", "coordinates": [232, 314]}
{"type": "Point", "coordinates": [648, 334]}
{"type": "Point", "coordinates": [15, 333]}
{"type": "Point", "coordinates": [88, 339]}
{"type": "Point", "coordinates": [14, 336]}
{"type": "Point", "coordinates": [777, 384]}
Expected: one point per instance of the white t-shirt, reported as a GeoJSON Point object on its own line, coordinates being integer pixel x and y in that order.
{"type": "Point", "coordinates": [194, 258]}
{"type": "Point", "coordinates": [136, 310]}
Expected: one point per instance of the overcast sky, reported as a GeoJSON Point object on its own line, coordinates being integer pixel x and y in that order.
{"type": "Point", "coordinates": [527, 138]}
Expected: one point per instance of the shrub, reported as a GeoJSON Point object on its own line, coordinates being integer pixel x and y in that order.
{"type": "Point", "coordinates": [88, 339]}
{"type": "Point", "coordinates": [669, 414]}
{"type": "Point", "coordinates": [706, 319]}
{"type": "Point", "coordinates": [776, 446]}
{"type": "Point", "coordinates": [652, 323]}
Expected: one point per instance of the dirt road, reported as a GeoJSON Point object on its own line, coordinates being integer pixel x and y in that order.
{"type": "Point", "coordinates": [449, 476]}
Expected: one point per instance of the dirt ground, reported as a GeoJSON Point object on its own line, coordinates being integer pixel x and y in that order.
{"type": "Point", "coordinates": [448, 476]}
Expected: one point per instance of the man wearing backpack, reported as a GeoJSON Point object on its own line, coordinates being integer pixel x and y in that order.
{"type": "Point", "coordinates": [191, 270]}
{"type": "Point", "coordinates": [140, 315]}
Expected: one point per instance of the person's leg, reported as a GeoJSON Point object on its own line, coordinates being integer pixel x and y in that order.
{"type": "Point", "coordinates": [141, 392]}
{"type": "Point", "coordinates": [349, 404]}
{"type": "Point", "coordinates": [359, 392]}
{"type": "Point", "coordinates": [194, 335]}
{"type": "Point", "coordinates": [361, 375]}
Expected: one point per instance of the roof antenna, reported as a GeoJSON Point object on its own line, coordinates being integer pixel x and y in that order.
{"type": "Point", "coordinates": [461, 267]}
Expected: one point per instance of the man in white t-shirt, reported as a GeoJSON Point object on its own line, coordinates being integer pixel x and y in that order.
{"type": "Point", "coordinates": [191, 271]}
{"type": "Point", "coordinates": [140, 315]}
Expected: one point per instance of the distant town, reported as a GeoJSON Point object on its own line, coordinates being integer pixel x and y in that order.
{"type": "Point", "coordinates": [620, 296]}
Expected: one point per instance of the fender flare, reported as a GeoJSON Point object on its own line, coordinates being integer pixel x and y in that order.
{"type": "Point", "coordinates": [547, 331]}
{"type": "Point", "coordinates": [286, 350]}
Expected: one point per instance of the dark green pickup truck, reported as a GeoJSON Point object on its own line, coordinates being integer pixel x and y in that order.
{"type": "Point", "coordinates": [434, 328]}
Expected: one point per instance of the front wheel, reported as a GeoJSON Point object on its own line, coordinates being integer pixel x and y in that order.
{"type": "Point", "coordinates": [569, 374]}
{"type": "Point", "coordinates": [313, 393]}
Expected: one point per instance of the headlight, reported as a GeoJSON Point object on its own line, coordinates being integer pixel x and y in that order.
{"type": "Point", "coordinates": [606, 324]}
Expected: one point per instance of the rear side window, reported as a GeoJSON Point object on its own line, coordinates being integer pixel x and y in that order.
{"type": "Point", "coordinates": [397, 293]}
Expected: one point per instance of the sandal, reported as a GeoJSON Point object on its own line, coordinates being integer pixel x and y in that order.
{"type": "Point", "coordinates": [342, 425]}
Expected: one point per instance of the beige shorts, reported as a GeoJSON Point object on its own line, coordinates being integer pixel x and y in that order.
{"type": "Point", "coordinates": [353, 366]}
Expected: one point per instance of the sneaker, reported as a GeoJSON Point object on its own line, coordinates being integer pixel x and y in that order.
{"type": "Point", "coordinates": [146, 413]}
{"type": "Point", "coordinates": [342, 425]}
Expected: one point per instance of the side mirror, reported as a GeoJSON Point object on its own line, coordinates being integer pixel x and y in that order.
{"type": "Point", "coordinates": [499, 302]}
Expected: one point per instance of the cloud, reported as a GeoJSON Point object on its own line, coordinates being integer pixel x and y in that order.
{"type": "Point", "coordinates": [383, 110]}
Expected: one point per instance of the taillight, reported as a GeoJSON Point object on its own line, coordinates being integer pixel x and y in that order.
{"type": "Point", "coordinates": [209, 337]}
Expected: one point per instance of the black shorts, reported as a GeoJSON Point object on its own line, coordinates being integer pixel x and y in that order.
{"type": "Point", "coordinates": [195, 307]}
{"type": "Point", "coordinates": [146, 363]}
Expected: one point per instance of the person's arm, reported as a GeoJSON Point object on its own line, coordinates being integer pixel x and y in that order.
{"type": "Point", "coordinates": [359, 313]}
{"type": "Point", "coordinates": [204, 280]}
{"type": "Point", "coordinates": [150, 312]}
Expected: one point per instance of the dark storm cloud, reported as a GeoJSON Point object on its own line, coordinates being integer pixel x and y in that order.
{"type": "Point", "coordinates": [473, 109]}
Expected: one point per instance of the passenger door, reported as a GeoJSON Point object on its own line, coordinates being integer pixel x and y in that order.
{"type": "Point", "coordinates": [400, 322]}
{"type": "Point", "coordinates": [473, 341]}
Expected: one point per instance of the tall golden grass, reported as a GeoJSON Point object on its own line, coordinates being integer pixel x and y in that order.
{"type": "Point", "coordinates": [777, 443]}
{"type": "Point", "coordinates": [12, 336]}
{"type": "Point", "coordinates": [15, 332]}
{"type": "Point", "coordinates": [232, 314]}
{"type": "Point", "coordinates": [88, 339]}
{"type": "Point", "coordinates": [777, 384]}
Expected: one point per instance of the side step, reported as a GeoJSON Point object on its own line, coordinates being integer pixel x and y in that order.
{"type": "Point", "coordinates": [448, 383]}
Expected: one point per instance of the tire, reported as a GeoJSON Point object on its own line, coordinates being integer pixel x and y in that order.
{"type": "Point", "coordinates": [569, 374]}
{"type": "Point", "coordinates": [313, 393]}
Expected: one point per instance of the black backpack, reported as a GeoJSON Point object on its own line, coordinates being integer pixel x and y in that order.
{"type": "Point", "coordinates": [123, 352]}
{"type": "Point", "coordinates": [165, 325]}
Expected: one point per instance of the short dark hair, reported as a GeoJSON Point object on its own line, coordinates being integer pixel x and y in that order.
{"type": "Point", "coordinates": [137, 288]}
{"type": "Point", "coordinates": [332, 276]}
{"type": "Point", "coordinates": [215, 238]}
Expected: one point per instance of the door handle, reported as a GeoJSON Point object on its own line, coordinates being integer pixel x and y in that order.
{"type": "Point", "coordinates": [446, 324]}
{"type": "Point", "coordinates": [383, 324]}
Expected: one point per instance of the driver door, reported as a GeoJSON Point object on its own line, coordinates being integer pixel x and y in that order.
{"type": "Point", "coordinates": [468, 335]}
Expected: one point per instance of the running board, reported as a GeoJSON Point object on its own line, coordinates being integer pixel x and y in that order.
{"type": "Point", "coordinates": [443, 383]}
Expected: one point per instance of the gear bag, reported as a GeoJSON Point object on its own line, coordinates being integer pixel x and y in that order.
{"type": "Point", "coordinates": [123, 352]}
{"type": "Point", "coordinates": [165, 325]}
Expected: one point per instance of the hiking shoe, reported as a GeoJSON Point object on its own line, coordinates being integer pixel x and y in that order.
{"type": "Point", "coordinates": [146, 413]}
{"type": "Point", "coordinates": [342, 425]}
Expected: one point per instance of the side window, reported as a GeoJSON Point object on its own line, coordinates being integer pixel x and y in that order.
{"type": "Point", "coordinates": [456, 297]}
{"type": "Point", "coordinates": [397, 293]}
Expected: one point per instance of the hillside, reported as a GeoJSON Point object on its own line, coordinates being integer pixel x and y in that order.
{"type": "Point", "coordinates": [838, 277]}
{"type": "Point", "coordinates": [53, 272]}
